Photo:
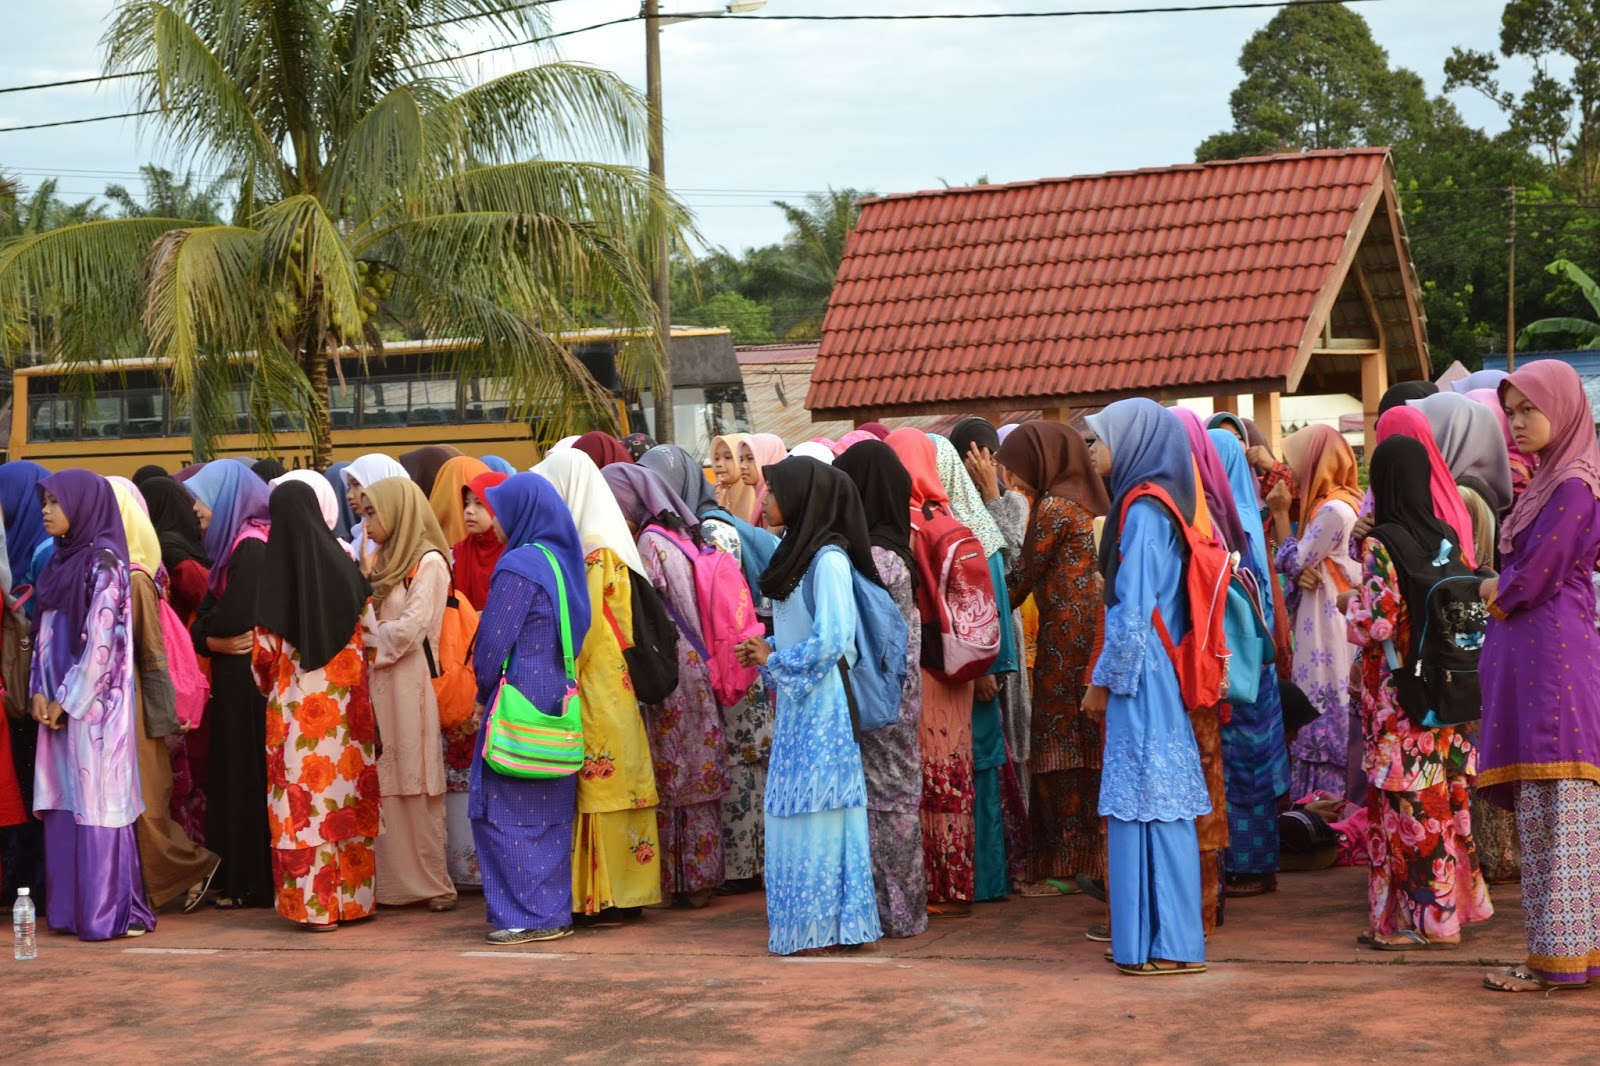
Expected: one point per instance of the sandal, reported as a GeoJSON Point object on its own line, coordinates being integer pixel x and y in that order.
{"type": "Point", "coordinates": [1410, 940]}
{"type": "Point", "coordinates": [1100, 933]}
{"type": "Point", "coordinates": [441, 904]}
{"type": "Point", "coordinates": [197, 895]}
{"type": "Point", "coordinates": [1161, 969]}
{"type": "Point", "coordinates": [950, 910]}
{"type": "Point", "coordinates": [324, 928]}
{"type": "Point", "coordinates": [227, 903]}
{"type": "Point", "coordinates": [1050, 886]}
{"type": "Point", "coordinates": [1089, 886]}
{"type": "Point", "coordinates": [1527, 980]}
{"type": "Point", "coordinates": [1245, 887]}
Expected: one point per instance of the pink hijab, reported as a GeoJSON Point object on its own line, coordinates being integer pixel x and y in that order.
{"type": "Point", "coordinates": [1522, 464]}
{"type": "Point", "coordinates": [1557, 391]}
{"type": "Point", "coordinates": [855, 436]}
{"type": "Point", "coordinates": [768, 448]}
{"type": "Point", "coordinates": [1406, 421]}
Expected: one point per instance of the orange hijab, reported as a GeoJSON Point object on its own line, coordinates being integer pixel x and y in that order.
{"type": "Point", "coordinates": [1325, 467]}
{"type": "Point", "coordinates": [445, 499]}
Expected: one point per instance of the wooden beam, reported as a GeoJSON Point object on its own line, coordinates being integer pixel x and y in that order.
{"type": "Point", "coordinates": [1408, 274]}
{"type": "Point", "coordinates": [1269, 417]}
{"type": "Point", "coordinates": [1374, 383]}
{"type": "Point", "coordinates": [1322, 309]}
{"type": "Point", "coordinates": [1057, 414]}
{"type": "Point", "coordinates": [1228, 404]}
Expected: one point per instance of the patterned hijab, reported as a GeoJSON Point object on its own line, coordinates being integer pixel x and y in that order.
{"type": "Point", "coordinates": [239, 507]}
{"type": "Point", "coordinates": [966, 504]}
{"type": "Point", "coordinates": [1325, 467]}
{"type": "Point", "coordinates": [94, 525]}
{"type": "Point", "coordinates": [1572, 454]}
{"type": "Point", "coordinates": [1447, 505]}
{"type": "Point", "coordinates": [593, 506]}
{"type": "Point", "coordinates": [1470, 440]}
{"type": "Point", "coordinates": [405, 516]}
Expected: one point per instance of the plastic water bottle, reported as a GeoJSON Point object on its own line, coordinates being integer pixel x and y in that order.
{"type": "Point", "coordinates": [22, 927]}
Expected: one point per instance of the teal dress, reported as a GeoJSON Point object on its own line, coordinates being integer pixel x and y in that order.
{"type": "Point", "coordinates": [989, 758]}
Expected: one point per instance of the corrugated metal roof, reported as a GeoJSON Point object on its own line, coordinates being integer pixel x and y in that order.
{"type": "Point", "coordinates": [1186, 277]}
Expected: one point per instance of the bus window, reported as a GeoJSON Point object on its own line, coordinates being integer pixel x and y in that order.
{"type": "Point", "coordinates": [342, 405]}
{"type": "Point", "coordinates": [485, 400]}
{"type": "Point", "coordinates": [384, 403]}
{"type": "Point", "coordinates": [145, 409]}
{"type": "Point", "coordinates": [432, 402]}
{"type": "Point", "coordinates": [52, 418]}
{"type": "Point", "coordinates": [102, 417]}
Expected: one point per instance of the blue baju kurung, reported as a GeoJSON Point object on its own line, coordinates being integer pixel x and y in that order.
{"type": "Point", "coordinates": [989, 757]}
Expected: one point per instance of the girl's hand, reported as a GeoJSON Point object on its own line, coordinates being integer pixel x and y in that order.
{"type": "Point", "coordinates": [1344, 600]}
{"type": "Point", "coordinates": [753, 652]}
{"type": "Point", "coordinates": [39, 708]}
{"type": "Point", "coordinates": [243, 644]}
{"type": "Point", "coordinates": [1279, 499]}
{"type": "Point", "coordinates": [1094, 702]}
{"type": "Point", "coordinates": [986, 688]}
{"type": "Point", "coordinates": [1260, 458]}
{"type": "Point", "coordinates": [981, 467]}
{"type": "Point", "coordinates": [369, 559]}
{"type": "Point", "coordinates": [1488, 589]}
{"type": "Point", "coordinates": [1362, 527]}
{"type": "Point", "coordinates": [1309, 579]}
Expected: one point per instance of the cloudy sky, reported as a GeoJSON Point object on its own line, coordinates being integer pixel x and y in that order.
{"type": "Point", "coordinates": [758, 112]}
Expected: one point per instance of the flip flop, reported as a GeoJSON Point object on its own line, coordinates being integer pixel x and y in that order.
{"type": "Point", "coordinates": [1152, 969]}
{"type": "Point", "coordinates": [1519, 973]}
{"type": "Point", "coordinates": [197, 894]}
{"type": "Point", "coordinates": [1412, 941]}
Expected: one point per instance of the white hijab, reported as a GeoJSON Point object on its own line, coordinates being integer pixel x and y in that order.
{"type": "Point", "coordinates": [593, 506]}
{"type": "Point", "coordinates": [820, 452]}
{"type": "Point", "coordinates": [368, 470]}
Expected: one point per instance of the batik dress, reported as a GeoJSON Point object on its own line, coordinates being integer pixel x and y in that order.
{"type": "Point", "coordinates": [1424, 871]}
{"type": "Point", "coordinates": [322, 781]}
{"type": "Point", "coordinates": [819, 861]}
{"type": "Point", "coordinates": [616, 848]}
{"type": "Point", "coordinates": [686, 738]}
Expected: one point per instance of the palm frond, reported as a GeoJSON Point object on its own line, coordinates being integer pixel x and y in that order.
{"type": "Point", "coordinates": [379, 161]}
{"type": "Point", "coordinates": [549, 109]}
{"type": "Point", "coordinates": [204, 297]}
{"type": "Point", "coordinates": [1579, 277]}
{"type": "Point", "coordinates": [308, 258]}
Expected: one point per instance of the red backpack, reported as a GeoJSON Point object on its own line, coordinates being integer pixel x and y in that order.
{"type": "Point", "coordinates": [955, 595]}
{"type": "Point", "coordinates": [1201, 657]}
{"type": "Point", "coordinates": [727, 616]}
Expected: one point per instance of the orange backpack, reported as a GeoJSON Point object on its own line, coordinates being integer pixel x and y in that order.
{"type": "Point", "coordinates": [455, 684]}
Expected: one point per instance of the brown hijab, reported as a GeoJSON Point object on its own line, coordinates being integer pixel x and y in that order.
{"type": "Point", "coordinates": [1054, 460]}
{"type": "Point", "coordinates": [405, 515]}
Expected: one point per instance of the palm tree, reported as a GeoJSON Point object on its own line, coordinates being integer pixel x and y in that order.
{"type": "Point", "coordinates": [377, 187]}
{"type": "Point", "coordinates": [814, 249]}
{"type": "Point", "coordinates": [167, 197]}
{"type": "Point", "coordinates": [1586, 332]}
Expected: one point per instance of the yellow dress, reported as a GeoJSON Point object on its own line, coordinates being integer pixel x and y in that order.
{"type": "Point", "coordinates": [616, 859]}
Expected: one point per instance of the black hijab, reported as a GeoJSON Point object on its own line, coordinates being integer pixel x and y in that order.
{"type": "Point", "coordinates": [145, 473]}
{"type": "Point", "coordinates": [820, 507]}
{"type": "Point", "coordinates": [1400, 479]}
{"type": "Point", "coordinates": [267, 469]}
{"type": "Point", "coordinates": [1405, 392]}
{"type": "Point", "coordinates": [177, 526]}
{"type": "Point", "coordinates": [317, 594]}
{"type": "Point", "coordinates": [974, 430]}
{"type": "Point", "coordinates": [884, 486]}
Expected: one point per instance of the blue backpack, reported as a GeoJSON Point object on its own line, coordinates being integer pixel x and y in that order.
{"type": "Point", "coordinates": [1250, 643]}
{"type": "Point", "coordinates": [877, 681]}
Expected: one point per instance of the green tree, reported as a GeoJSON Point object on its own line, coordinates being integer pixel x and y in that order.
{"type": "Point", "coordinates": [748, 321]}
{"type": "Point", "coordinates": [167, 197]}
{"type": "Point", "coordinates": [1585, 331]}
{"type": "Point", "coordinates": [376, 181]}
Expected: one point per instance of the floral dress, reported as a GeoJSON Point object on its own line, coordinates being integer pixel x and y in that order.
{"type": "Point", "coordinates": [322, 781]}
{"type": "Point", "coordinates": [1424, 871]}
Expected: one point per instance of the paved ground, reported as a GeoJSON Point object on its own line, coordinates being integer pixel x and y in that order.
{"type": "Point", "coordinates": [1015, 983]}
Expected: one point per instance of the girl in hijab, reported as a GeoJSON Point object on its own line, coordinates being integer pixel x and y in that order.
{"type": "Point", "coordinates": [1469, 438]}
{"type": "Point", "coordinates": [523, 828]}
{"type": "Point", "coordinates": [733, 494]}
{"type": "Point", "coordinates": [945, 731]}
{"type": "Point", "coordinates": [183, 551]}
{"type": "Point", "coordinates": [232, 506]}
{"type": "Point", "coordinates": [819, 855]}
{"type": "Point", "coordinates": [268, 470]}
{"type": "Point", "coordinates": [1255, 760]}
{"type": "Point", "coordinates": [446, 497]}
{"type": "Point", "coordinates": [146, 472]}
{"type": "Point", "coordinates": [423, 464]}
{"type": "Point", "coordinates": [326, 499]}
{"type": "Point", "coordinates": [86, 789]}
{"type": "Point", "coordinates": [367, 470]}
{"type": "Point", "coordinates": [1317, 567]}
{"type": "Point", "coordinates": [1520, 462]}
{"type": "Point", "coordinates": [1150, 803]}
{"type": "Point", "coordinates": [25, 534]}
{"type": "Point", "coordinates": [334, 476]}
{"type": "Point", "coordinates": [603, 448]}
{"type": "Point", "coordinates": [747, 725]}
{"type": "Point", "coordinates": [478, 551]}
{"type": "Point", "coordinates": [756, 454]}
{"type": "Point", "coordinates": [890, 757]}
{"type": "Point", "coordinates": [1540, 672]}
{"type": "Point", "coordinates": [877, 429]}
{"type": "Point", "coordinates": [407, 564]}
{"type": "Point", "coordinates": [1404, 392]}
{"type": "Point", "coordinates": [1445, 500]}
{"type": "Point", "coordinates": [616, 848]}
{"type": "Point", "coordinates": [22, 846]}
{"type": "Point", "coordinates": [686, 732]}
{"type": "Point", "coordinates": [814, 450]}
{"type": "Point", "coordinates": [1479, 381]}
{"type": "Point", "coordinates": [1424, 883]}
{"type": "Point", "coordinates": [1000, 815]}
{"type": "Point", "coordinates": [637, 444]}
{"type": "Point", "coordinates": [1050, 463]}
{"type": "Point", "coordinates": [311, 665]}
{"type": "Point", "coordinates": [499, 465]}
{"type": "Point", "coordinates": [174, 865]}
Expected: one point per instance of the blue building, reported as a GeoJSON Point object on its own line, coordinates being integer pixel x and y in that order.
{"type": "Point", "coordinates": [1586, 363]}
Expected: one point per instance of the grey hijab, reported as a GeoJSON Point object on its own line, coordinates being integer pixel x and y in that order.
{"type": "Point", "coordinates": [1470, 439]}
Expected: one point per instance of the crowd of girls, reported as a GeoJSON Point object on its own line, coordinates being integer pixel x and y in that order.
{"type": "Point", "coordinates": [326, 777]}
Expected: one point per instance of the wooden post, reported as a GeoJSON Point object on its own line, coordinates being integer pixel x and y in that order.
{"type": "Point", "coordinates": [1225, 404]}
{"type": "Point", "coordinates": [1057, 414]}
{"type": "Point", "coordinates": [1374, 383]}
{"type": "Point", "coordinates": [1269, 417]}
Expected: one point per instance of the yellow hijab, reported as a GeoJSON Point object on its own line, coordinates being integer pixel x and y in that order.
{"type": "Point", "coordinates": [445, 499]}
{"type": "Point", "coordinates": [405, 516]}
{"type": "Point", "coordinates": [144, 547]}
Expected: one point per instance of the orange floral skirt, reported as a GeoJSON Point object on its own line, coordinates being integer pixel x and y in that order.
{"type": "Point", "coordinates": [327, 883]}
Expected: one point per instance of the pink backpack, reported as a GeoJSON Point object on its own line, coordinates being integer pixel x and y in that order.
{"type": "Point", "coordinates": [189, 685]}
{"type": "Point", "coordinates": [955, 594]}
{"type": "Point", "coordinates": [727, 616]}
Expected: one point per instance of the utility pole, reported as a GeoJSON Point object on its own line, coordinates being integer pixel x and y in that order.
{"type": "Point", "coordinates": [661, 281]}
{"type": "Point", "coordinates": [1511, 285]}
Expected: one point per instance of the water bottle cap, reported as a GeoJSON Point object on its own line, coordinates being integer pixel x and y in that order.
{"type": "Point", "coordinates": [23, 892]}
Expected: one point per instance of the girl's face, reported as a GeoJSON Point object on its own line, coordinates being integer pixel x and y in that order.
{"type": "Point", "coordinates": [1100, 455]}
{"type": "Point", "coordinates": [723, 464]}
{"type": "Point", "coordinates": [1236, 431]}
{"type": "Point", "coordinates": [352, 495]}
{"type": "Point", "coordinates": [56, 522]}
{"type": "Point", "coordinates": [1020, 485]}
{"type": "Point", "coordinates": [499, 530]}
{"type": "Point", "coordinates": [371, 522]}
{"type": "Point", "coordinates": [202, 512]}
{"type": "Point", "coordinates": [770, 514]}
{"type": "Point", "coordinates": [476, 516]}
{"type": "Point", "coordinates": [1529, 426]}
{"type": "Point", "coordinates": [749, 471]}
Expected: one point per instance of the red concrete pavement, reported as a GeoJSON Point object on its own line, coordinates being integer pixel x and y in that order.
{"type": "Point", "coordinates": [1015, 983]}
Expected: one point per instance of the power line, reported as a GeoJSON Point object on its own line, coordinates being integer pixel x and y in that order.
{"type": "Point", "coordinates": [78, 121]}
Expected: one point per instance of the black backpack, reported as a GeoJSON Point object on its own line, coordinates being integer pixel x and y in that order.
{"type": "Point", "coordinates": [1437, 681]}
{"type": "Point", "coordinates": [652, 658]}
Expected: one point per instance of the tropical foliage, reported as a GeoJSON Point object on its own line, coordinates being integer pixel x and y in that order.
{"type": "Point", "coordinates": [1585, 331]}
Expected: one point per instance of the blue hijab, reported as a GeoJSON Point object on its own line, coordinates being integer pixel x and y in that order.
{"type": "Point", "coordinates": [1242, 483]}
{"type": "Point", "coordinates": [24, 522]}
{"type": "Point", "coordinates": [531, 511]}
{"type": "Point", "coordinates": [1148, 444]}
{"type": "Point", "coordinates": [499, 465]}
{"type": "Point", "coordinates": [237, 499]}
{"type": "Point", "coordinates": [347, 514]}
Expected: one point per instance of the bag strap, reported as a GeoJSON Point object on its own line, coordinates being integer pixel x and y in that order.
{"type": "Point", "coordinates": [561, 614]}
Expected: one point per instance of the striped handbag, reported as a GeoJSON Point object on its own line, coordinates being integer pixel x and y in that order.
{"type": "Point", "coordinates": [522, 741]}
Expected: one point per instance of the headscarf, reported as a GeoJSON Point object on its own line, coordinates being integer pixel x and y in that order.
{"type": "Point", "coordinates": [564, 443]}
{"type": "Point", "coordinates": [1053, 459]}
{"type": "Point", "coordinates": [24, 524]}
{"type": "Point", "coordinates": [683, 476]}
{"type": "Point", "coordinates": [182, 476]}
{"type": "Point", "coordinates": [144, 547]}
{"type": "Point", "coordinates": [1213, 482]}
{"type": "Point", "coordinates": [644, 496]}
{"type": "Point", "coordinates": [370, 468]}
{"type": "Point", "coordinates": [637, 444]}
{"type": "Point", "coordinates": [334, 476]}
{"type": "Point", "coordinates": [1479, 380]}
{"type": "Point", "coordinates": [820, 508]}
{"type": "Point", "coordinates": [1325, 467]}
{"type": "Point", "coordinates": [1469, 438]}
{"type": "Point", "coordinates": [316, 595]}
{"type": "Point", "coordinates": [445, 499]}
{"type": "Point", "coordinates": [531, 512]}
{"type": "Point", "coordinates": [1402, 473]}
{"type": "Point", "coordinates": [177, 526]}
{"type": "Point", "coordinates": [814, 450]}
{"type": "Point", "coordinates": [738, 499]}
{"type": "Point", "coordinates": [1245, 428]}
{"type": "Point", "coordinates": [422, 465]}
{"type": "Point", "coordinates": [1556, 390]}
{"type": "Point", "coordinates": [1147, 444]}
{"type": "Point", "coordinates": [603, 448]}
{"type": "Point", "coordinates": [476, 554]}
{"type": "Point", "coordinates": [1007, 429]}
{"type": "Point", "coordinates": [594, 508]}
{"type": "Point", "coordinates": [966, 503]}
{"type": "Point", "coordinates": [885, 490]}
{"type": "Point", "coordinates": [974, 430]}
{"type": "Point", "coordinates": [499, 465]}
{"type": "Point", "coordinates": [94, 525]}
{"type": "Point", "coordinates": [855, 436]}
{"type": "Point", "coordinates": [1522, 464]}
{"type": "Point", "coordinates": [1447, 505]}
{"type": "Point", "coordinates": [1242, 485]}
{"type": "Point", "coordinates": [238, 503]}
{"type": "Point", "coordinates": [921, 460]}
{"type": "Point", "coordinates": [148, 471]}
{"type": "Point", "coordinates": [405, 516]}
{"type": "Point", "coordinates": [1404, 392]}
{"type": "Point", "coordinates": [877, 429]}
{"type": "Point", "coordinates": [321, 489]}
{"type": "Point", "coordinates": [268, 470]}
{"type": "Point", "coordinates": [768, 449]}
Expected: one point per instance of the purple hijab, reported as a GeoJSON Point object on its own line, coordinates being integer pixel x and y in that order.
{"type": "Point", "coordinates": [239, 504]}
{"type": "Point", "coordinates": [644, 494]}
{"type": "Point", "coordinates": [1214, 483]}
{"type": "Point", "coordinates": [66, 583]}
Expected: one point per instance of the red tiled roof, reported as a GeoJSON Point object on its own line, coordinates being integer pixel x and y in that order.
{"type": "Point", "coordinates": [1083, 289]}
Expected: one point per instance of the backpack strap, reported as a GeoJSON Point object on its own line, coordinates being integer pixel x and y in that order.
{"type": "Point", "coordinates": [427, 646]}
